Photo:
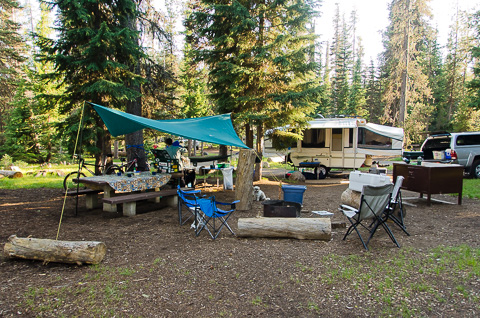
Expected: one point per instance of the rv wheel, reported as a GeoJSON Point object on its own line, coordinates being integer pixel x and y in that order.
{"type": "Point", "coordinates": [322, 172]}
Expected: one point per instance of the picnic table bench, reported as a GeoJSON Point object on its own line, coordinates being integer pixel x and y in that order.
{"type": "Point", "coordinates": [74, 192]}
{"type": "Point", "coordinates": [130, 200]}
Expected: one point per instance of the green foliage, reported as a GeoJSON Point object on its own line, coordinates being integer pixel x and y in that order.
{"type": "Point", "coordinates": [283, 139]}
{"type": "Point", "coordinates": [474, 84]}
{"type": "Point", "coordinates": [6, 161]}
{"type": "Point", "coordinates": [258, 57]}
{"type": "Point", "coordinates": [11, 52]}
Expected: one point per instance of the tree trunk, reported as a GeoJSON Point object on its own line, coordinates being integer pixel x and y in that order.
{"type": "Point", "coordinates": [259, 147]}
{"type": "Point", "coordinates": [76, 252]}
{"type": "Point", "coordinates": [404, 87]}
{"type": "Point", "coordinates": [244, 182]}
{"type": "Point", "coordinates": [11, 174]}
{"type": "Point", "coordinates": [299, 228]}
{"type": "Point", "coordinates": [223, 151]}
{"type": "Point", "coordinates": [248, 136]}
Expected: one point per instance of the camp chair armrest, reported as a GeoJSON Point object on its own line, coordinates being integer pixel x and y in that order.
{"type": "Point", "coordinates": [232, 204]}
{"type": "Point", "coordinates": [224, 203]}
{"type": "Point", "coordinates": [192, 191]}
{"type": "Point", "coordinates": [347, 207]}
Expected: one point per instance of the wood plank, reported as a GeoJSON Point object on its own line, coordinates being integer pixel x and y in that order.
{"type": "Point", "coordinates": [81, 192]}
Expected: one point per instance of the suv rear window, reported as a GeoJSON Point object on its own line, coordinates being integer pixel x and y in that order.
{"type": "Point", "coordinates": [441, 143]}
{"type": "Point", "coordinates": [468, 140]}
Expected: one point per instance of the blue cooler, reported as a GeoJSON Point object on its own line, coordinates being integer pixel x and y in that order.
{"type": "Point", "coordinates": [293, 193]}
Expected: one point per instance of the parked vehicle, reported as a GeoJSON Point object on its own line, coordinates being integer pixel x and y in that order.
{"type": "Point", "coordinates": [461, 147]}
{"type": "Point", "coordinates": [345, 143]}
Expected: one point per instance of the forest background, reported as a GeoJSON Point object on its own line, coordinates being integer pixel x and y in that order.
{"type": "Point", "coordinates": [259, 59]}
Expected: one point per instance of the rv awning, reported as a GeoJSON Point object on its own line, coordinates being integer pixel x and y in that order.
{"type": "Point", "coordinates": [215, 129]}
{"type": "Point", "coordinates": [333, 123]}
{"type": "Point", "coordinates": [387, 131]}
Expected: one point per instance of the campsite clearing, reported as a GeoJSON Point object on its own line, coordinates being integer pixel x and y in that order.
{"type": "Point", "coordinates": [155, 268]}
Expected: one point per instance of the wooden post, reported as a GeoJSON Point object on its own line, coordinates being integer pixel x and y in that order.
{"type": "Point", "coordinates": [76, 252]}
{"type": "Point", "coordinates": [244, 182]}
{"type": "Point", "coordinates": [115, 149]}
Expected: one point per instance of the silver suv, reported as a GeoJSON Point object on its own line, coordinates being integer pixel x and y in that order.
{"type": "Point", "coordinates": [463, 147]}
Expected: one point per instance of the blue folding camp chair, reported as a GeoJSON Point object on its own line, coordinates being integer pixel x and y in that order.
{"type": "Point", "coordinates": [189, 200]}
{"type": "Point", "coordinates": [212, 218]}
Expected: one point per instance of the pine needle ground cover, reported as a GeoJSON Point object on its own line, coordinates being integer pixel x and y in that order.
{"type": "Point", "coordinates": [156, 268]}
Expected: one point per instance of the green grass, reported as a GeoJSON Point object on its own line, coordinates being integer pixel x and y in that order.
{"type": "Point", "coordinates": [471, 188]}
{"type": "Point", "coordinates": [32, 182]}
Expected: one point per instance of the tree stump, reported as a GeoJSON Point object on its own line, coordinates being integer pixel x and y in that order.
{"type": "Point", "coordinates": [11, 174]}
{"type": "Point", "coordinates": [74, 252]}
{"type": "Point", "coordinates": [244, 181]}
{"type": "Point", "coordinates": [351, 198]}
{"type": "Point", "coordinates": [299, 228]}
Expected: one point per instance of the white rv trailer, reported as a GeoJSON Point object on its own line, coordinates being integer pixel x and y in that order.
{"type": "Point", "coordinates": [345, 143]}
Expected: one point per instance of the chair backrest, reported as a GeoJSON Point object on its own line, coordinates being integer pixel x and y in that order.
{"type": "Point", "coordinates": [208, 206]}
{"type": "Point", "coordinates": [374, 200]}
{"type": "Point", "coordinates": [396, 188]}
{"type": "Point", "coordinates": [188, 197]}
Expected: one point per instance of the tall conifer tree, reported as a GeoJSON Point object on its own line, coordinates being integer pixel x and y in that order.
{"type": "Point", "coordinates": [259, 57]}
{"type": "Point", "coordinates": [11, 56]}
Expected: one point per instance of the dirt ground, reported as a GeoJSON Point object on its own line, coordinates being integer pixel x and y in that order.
{"type": "Point", "coordinates": [156, 268]}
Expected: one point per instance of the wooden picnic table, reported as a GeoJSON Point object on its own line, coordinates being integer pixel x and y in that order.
{"type": "Point", "coordinates": [111, 184]}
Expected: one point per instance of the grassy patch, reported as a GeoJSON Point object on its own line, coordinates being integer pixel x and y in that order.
{"type": "Point", "coordinates": [471, 188]}
{"type": "Point", "coordinates": [390, 281]}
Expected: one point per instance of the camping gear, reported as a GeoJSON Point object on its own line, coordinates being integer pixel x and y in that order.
{"type": "Point", "coordinates": [280, 208]}
{"type": "Point", "coordinates": [212, 218]}
{"type": "Point", "coordinates": [293, 193]}
{"type": "Point", "coordinates": [373, 207]}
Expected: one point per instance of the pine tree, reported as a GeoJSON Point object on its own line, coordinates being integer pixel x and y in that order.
{"type": "Point", "coordinates": [259, 57]}
{"type": "Point", "coordinates": [11, 57]}
{"type": "Point", "coordinates": [374, 106]}
{"type": "Point", "coordinates": [407, 89]}
{"type": "Point", "coordinates": [31, 130]}
{"type": "Point", "coordinates": [474, 84]}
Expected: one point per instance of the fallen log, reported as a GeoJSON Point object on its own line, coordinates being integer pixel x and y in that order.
{"type": "Point", "coordinates": [11, 173]}
{"type": "Point", "coordinates": [74, 252]}
{"type": "Point", "coordinates": [299, 228]}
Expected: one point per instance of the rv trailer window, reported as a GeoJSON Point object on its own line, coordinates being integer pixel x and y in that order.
{"type": "Point", "coordinates": [313, 138]}
{"type": "Point", "coordinates": [369, 139]}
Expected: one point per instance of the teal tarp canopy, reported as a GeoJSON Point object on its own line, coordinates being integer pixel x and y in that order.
{"type": "Point", "coordinates": [215, 129]}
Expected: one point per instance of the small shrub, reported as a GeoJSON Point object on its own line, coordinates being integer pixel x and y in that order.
{"type": "Point", "coordinates": [6, 161]}
{"type": "Point", "coordinates": [20, 164]}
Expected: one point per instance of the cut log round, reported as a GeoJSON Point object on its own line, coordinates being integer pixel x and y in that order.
{"type": "Point", "coordinates": [351, 198]}
{"type": "Point", "coordinates": [299, 228]}
{"type": "Point", "coordinates": [11, 174]}
{"type": "Point", "coordinates": [75, 252]}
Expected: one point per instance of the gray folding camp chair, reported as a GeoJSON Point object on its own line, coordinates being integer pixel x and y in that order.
{"type": "Point", "coordinates": [374, 203]}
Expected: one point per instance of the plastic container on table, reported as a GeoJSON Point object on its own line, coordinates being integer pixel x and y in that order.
{"type": "Point", "coordinates": [293, 193]}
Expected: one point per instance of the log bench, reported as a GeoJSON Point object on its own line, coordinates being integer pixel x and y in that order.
{"type": "Point", "coordinates": [129, 201]}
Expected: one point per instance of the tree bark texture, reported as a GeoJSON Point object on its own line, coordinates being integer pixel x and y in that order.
{"type": "Point", "coordinates": [259, 147]}
{"type": "Point", "coordinates": [244, 182]}
{"type": "Point", "coordinates": [75, 252]}
{"type": "Point", "coordinates": [299, 228]}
